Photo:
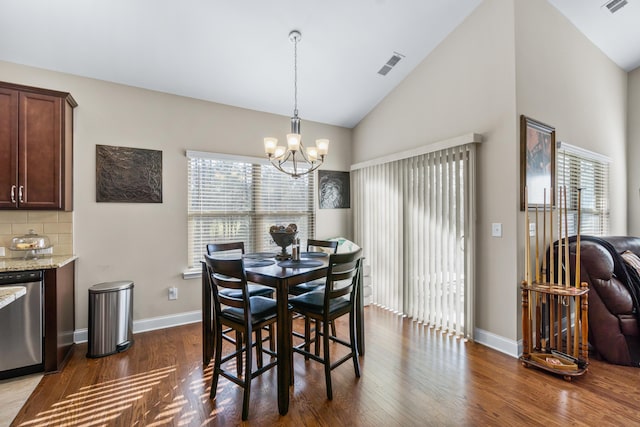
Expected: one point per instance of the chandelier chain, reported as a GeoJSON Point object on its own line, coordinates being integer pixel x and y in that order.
{"type": "Point", "coordinates": [295, 76]}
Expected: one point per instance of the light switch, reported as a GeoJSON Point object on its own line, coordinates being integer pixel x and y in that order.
{"type": "Point", "coordinates": [496, 229]}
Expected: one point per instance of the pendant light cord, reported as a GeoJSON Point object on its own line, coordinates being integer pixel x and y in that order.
{"type": "Point", "coordinates": [295, 77]}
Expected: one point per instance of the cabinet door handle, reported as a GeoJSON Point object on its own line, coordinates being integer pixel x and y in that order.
{"type": "Point", "coordinates": [20, 192]}
{"type": "Point", "coordinates": [13, 194]}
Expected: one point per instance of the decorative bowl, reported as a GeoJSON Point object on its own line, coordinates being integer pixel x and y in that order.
{"type": "Point", "coordinates": [283, 237]}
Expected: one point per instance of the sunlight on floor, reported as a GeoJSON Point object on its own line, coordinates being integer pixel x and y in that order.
{"type": "Point", "coordinates": [102, 402]}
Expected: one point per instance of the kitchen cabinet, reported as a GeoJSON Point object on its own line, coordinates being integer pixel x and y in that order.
{"type": "Point", "coordinates": [36, 148]}
{"type": "Point", "coordinates": [59, 315]}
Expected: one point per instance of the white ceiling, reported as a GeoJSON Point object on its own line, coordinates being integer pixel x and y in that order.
{"type": "Point", "coordinates": [617, 34]}
{"type": "Point", "coordinates": [237, 52]}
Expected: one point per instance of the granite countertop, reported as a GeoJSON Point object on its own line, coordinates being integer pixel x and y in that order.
{"type": "Point", "coordinates": [44, 263]}
{"type": "Point", "coordinates": [9, 294]}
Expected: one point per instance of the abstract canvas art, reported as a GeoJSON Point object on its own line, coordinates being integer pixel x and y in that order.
{"type": "Point", "coordinates": [333, 189]}
{"type": "Point", "coordinates": [128, 175]}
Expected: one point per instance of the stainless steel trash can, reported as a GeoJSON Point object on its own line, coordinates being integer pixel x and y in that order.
{"type": "Point", "coordinates": [110, 318]}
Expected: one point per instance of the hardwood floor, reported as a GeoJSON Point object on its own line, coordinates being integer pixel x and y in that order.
{"type": "Point", "coordinates": [411, 376]}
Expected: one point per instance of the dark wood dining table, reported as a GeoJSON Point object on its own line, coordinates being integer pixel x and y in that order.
{"type": "Point", "coordinates": [279, 278]}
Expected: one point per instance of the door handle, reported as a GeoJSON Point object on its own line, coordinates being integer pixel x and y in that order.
{"type": "Point", "coordinates": [20, 193]}
{"type": "Point", "coordinates": [13, 194]}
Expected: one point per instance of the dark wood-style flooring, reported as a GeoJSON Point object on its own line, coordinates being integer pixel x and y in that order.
{"type": "Point", "coordinates": [411, 376]}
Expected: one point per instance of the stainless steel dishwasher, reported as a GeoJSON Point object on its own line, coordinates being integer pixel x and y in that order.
{"type": "Point", "coordinates": [21, 332]}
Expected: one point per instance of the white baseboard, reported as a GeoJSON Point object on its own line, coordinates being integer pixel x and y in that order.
{"type": "Point", "coordinates": [497, 342]}
{"type": "Point", "coordinates": [151, 324]}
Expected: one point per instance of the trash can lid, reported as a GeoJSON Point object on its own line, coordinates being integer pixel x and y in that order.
{"type": "Point", "coordinates": [111, 286]}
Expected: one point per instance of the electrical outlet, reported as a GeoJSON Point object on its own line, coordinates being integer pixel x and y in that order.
{"type": "Point", "coordinates": [532, 229]}
{"type": "Point", "coordinates": [2, 253]}
{"type": "Point", "coordinates": [173, 293]}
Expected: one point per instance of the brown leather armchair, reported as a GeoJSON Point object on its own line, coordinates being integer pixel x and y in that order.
{"type": "Point", "coordinates": [614, 334]}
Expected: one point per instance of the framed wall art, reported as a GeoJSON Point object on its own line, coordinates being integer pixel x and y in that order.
{"type": "Point", "coordinates": [537, 163]}
{"type": "Point", "coordinates": [333, 189]}
{"type": "Point", "coordinates": [128, 175]}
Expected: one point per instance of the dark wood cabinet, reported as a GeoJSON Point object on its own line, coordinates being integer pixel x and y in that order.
{"type": "Point", "coordinates": [36, 148]}
{"type": "Point", "coordinates": [59, 315]}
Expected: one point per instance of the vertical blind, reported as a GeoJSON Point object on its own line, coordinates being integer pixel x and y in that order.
{"type": "Point", "coordinates": [414, 221]}
{"type": "Point", "coordinates": [239, 198]}
{"type": "Point", "coordinates": [578, 168]}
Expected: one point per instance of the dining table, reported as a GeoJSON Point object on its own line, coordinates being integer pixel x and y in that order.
{"type": "Point", "coordinates": [265, 269]}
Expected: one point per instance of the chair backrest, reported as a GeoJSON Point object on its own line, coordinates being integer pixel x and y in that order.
{"type": "Point", "coordinates": [343, 276]}
{"type": "Point", "coordinates": [312, 243]}
{"type": "Point", "coordinates": [213, 248]}
{"type": "Point", "coordinates": [227, 274]}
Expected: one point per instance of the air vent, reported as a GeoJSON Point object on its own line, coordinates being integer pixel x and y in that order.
{"type": "Point", "coordinates": [395, 58]}
{"type": "Point", "coordinates": [384, 70]}
{"type": "Point", "coordinates": [615, 5]}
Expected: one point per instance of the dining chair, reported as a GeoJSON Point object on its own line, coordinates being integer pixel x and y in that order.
{"type": "Point", "coordinates": [236, 249]}
{"type": "Point", "coordinates": [248, 315]}
{"type": "Point", "coordinates": [313, 285]}
{"type": "Point", "coordinates": [325, 305]}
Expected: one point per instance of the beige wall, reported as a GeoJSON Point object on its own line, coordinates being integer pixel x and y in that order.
{"type": "Point", "coordinates": [508, 58]}
{"type": "Point", "coordinates": [147, 243]}
{"type": "Point", "coordinates": [466, 85]}
{"type": "Point", "coordinates": [564, 81]}
{"type": "Point", "coordinates": [633, 153]}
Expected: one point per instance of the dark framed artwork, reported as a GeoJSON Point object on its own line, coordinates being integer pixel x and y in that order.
{"type": "Point", "coordinates": [128, 175]}
{"type": "Point", "coordinates": [537, 163]}
{"type": "Point", "coordinates": [333, 189]}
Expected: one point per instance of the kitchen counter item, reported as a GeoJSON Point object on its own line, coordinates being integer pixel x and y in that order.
{"type": "Point", "coordinates": [30, 244]}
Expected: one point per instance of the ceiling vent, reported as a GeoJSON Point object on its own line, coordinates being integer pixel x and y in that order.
{"type": "Point", "coordinates": [395, 58]}
{"type": "Point", "coordinates": [615, 5]}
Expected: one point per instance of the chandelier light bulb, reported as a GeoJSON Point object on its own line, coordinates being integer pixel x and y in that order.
{"type": "Point", "coordinates": [270, 145]}
{"type": "Point", "coordinates": [312, 154]}
{"type": "Point", "coordinates": [280, 151]}
{"type": "Point", "coordinates": [323, 146]}
{"type": "Point", "coordinates": [293, 141]}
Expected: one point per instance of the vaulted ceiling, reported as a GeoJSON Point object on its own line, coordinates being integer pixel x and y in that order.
{"type": "Point", "coordinates": [238, 52]}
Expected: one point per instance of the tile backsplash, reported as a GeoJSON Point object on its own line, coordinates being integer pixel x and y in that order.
{"type": "Point", "coordinates": [56, 225]}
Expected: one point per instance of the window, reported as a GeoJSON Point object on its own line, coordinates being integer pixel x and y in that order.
{"type": "Point", "coordinates": [582, 169]}
{"type": "Point", "coordinates": [235, 198]}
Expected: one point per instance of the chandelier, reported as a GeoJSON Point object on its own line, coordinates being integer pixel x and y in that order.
{"type": "Point", "coordinates": [293, 159]}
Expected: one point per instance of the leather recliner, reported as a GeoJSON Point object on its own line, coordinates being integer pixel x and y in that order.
{"type": "Point", "coordinates": [614, 334]}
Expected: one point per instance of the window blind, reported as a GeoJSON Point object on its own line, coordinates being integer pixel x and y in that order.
{"type": "Point", "coordinates": [579, 168]}
{"type": "Point", "coordinates": [414, 220]}
{"type": "Point", "coordinates": [238, 199]}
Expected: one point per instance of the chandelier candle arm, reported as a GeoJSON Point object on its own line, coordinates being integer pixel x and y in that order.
{"type": "Point", "coordinates": [285, 159]}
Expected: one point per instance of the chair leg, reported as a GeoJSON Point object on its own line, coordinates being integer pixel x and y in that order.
{"type": "Point", "coordinates": [272, 341]}
{"type": "Point", "coordinates": [239, 353]}
{"type": "Point", "coordinates": [333, 328]}
{"type": "Point", "coordinates": [354, 344]}
{"type": "Point", "coordinates": [327, 358]}
{"type": "Point", "coordinates": [247, 377]}
{"type": "Point", "coordinates": [307, 336]}
{"type": "Point", "coordinates": [216, 363]}
{"type": "Point", "coordinates": [290, 320]}
{"type": "Point", "coordinates": [259, 359]}
{"type": "Point", "coordinates": [317, 346]}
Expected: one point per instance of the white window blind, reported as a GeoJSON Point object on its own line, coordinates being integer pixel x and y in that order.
{"type": "Point", "coordinates": [414, 220]}
{"type": "Point", "coordinates": [578, 168]}
{"type": "Point", "coordinates": [238, 199]}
